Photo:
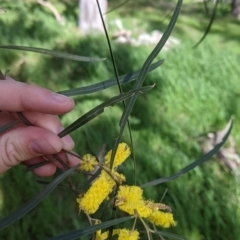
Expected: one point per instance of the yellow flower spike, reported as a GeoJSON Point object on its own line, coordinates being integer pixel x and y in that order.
{"type": "Point", "coordinates": [88, 163]}
{"type": "Point", "coordinates": [130, 198]}
{"type": "Point", "coordinates": [163, 219]}
{"type": "Point", "coordinates": [96, 194]}
{"type": "Point", "coordinates": [122, 153]}
{"type": "Point", "coordinates": [125, 234]}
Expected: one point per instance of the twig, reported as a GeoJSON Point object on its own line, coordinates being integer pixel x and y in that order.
{"type": "Point", "coordinates": [55, 12]}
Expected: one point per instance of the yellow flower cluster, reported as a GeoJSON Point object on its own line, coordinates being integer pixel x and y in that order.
{"type": "Point", "coordinates": [129, 198]}
{"type": "Point", "coordinates": [88, 163]}
{"type": "Point", "coordinates": [103, 185]}
{"type": "Point", "coordinates": [123, 234]}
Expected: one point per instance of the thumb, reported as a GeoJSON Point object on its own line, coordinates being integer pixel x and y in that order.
{"type": "Point", "coordinates": [24, 143]}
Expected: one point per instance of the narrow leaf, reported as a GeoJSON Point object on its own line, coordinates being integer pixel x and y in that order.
{"type": "Point", "coordinates": [148, 61]}
{"type": "Point", "coordinates": [108, 83]}
{"type": "Point", "coordinates": [53, 53]}
{"type": "Point", "coordinates": [100, 109]}
{"type": "Point", "coordinates": [8, 126]}
{"type": "Point", "coordinates": [12, 217]}
{"type": "Point", "coordinates": [193, 164]}
{"type": "Point", "coordinates": [110, 48]}
{"type": "Point", "coordinates": [205, 7]}
{"type": "Point", "coordinates": [90, 230]}
{"type": "Point", "coordinates": [2, 77]}
{"type": "Point", "coordinates": [118, 6]}
{"type": "Point", "coordinates": [142, 74]}
{"type": "Point", "coordinates": [90, 180]}
{"type": "Point", "coordinates": [209, 25]}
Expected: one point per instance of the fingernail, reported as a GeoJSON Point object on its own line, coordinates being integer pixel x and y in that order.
{"type": "Point", "coordinates": [41, 146]}
{"type": "Point", "coordinates": [61, 98]}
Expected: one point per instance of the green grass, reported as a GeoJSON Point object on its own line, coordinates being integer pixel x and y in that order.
{"type": "Point", "coordinates": [197, 90]}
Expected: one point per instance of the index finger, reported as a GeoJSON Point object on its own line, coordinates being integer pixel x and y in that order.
{"type": "Point", "coordinates": [18, 97]}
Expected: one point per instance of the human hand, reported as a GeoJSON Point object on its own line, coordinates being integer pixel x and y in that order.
{"type": "Point", "coordinates": [26, 144]}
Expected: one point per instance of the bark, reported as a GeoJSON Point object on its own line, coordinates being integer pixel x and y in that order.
{"type": "Point", "coordinates": [89, 17]}
{"type": "Point", "coordinates": [236, 8]}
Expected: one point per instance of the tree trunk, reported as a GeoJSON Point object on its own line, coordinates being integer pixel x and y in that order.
{"type": "Point", "coordinates": [236, 8]}
{"type": "Point", "coordinates": [89, 17]}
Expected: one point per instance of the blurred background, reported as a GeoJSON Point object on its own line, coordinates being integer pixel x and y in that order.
{"type": "Point", "coordinates": [197, 91]}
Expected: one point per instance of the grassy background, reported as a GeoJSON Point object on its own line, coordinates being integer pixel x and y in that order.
{"type": "Point", "coordinates": [197, 90]}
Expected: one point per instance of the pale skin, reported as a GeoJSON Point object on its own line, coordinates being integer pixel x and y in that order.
{"type": "Point", "coordinates": [27, 144]}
